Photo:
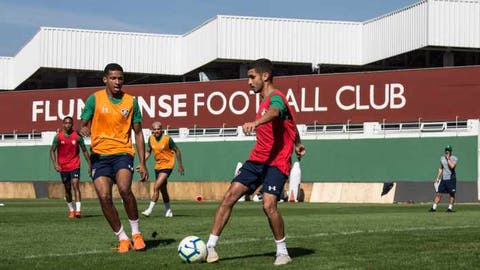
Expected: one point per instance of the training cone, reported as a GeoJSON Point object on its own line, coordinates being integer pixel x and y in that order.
{"type": "Point", "coordinates": [199, 198]}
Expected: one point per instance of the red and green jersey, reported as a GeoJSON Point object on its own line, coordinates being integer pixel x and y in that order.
{"type": "Point", "coordinates": [68, 150]}
{"type": "Point", "coordinates": [275, 139]}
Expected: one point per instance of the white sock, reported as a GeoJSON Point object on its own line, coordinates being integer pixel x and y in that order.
{"type": "Point", "coordinates": [151, 206]}
{"type": "Point", "coordinates": [70, 206]}
{"type": "Point", "coordinates": [167, 206]}
{"type": "Point", "coordinates": [212, 241]}
{"type": "Point", "coordinates": [434, 206]}
{"type": "Point", "coordinates": [134, 226]}
{"type": "Point", "coordinates": [281, 246]}
{"type": "Point", "coordinates": [78, 206]}
{"type": "Point", "coordinates": [450, 206]}
{"type": "Point", "coordinates": [121, 234]}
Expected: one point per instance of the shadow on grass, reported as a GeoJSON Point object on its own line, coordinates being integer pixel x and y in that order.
{"type": "Point", "coordinates": [158, 242]}
{"type": "Point", "coordinates": [294, 253]}
{"type": "Point", "coordinates": [89, 216]}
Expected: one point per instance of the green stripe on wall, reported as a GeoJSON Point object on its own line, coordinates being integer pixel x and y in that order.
{"type": "Point", "coordinates": [359, 160]}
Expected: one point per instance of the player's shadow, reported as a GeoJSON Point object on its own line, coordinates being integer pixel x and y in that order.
{"type": "Point", "coordinates": [90, 216]}
{"type": "Point", "coordinates": [293, 252]}
{"type": "Point", "coordinates": [158, 242]}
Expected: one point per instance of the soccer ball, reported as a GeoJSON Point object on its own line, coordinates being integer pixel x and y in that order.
{"type": "Point", "coordinates": [192, 249]}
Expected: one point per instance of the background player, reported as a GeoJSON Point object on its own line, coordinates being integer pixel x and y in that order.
{"type": "Point", "coordinates": [65, 157]}
{"type": "Point", "coordinates": [446, 179]}
{"type": "Point", "coordinates": [164, 151]}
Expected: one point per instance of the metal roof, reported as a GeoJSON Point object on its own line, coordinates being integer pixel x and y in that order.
{"type": "Point", "coordinates": [445, 23]}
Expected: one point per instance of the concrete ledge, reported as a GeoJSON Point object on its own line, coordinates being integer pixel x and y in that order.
{"type": "Point", "coordinates": [350, 193]}
{"type": "Point", "coordinates": [16, 190]}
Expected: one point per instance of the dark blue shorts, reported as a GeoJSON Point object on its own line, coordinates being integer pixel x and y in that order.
{"type": "Point", "coordinates": [253, 174]}
{"type": "Point", "coordinates": [68, 176]}
{"type": "Point", "coordinates": [110, 165]}
{"type": "Point", "coordinates": [447, 186]}
{"type": "Point", "coordinates": [167, 171]}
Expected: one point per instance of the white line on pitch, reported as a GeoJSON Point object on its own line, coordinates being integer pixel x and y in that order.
{"type": "Point", "coordinates": [247, 240]}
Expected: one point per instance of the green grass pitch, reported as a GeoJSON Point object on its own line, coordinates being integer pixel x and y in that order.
{"type": "Point", "coordinates": [36, 234]}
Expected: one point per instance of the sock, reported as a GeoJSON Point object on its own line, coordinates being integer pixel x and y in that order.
{"type": "Point", "coordinates": [167, 206]}
{"type": "Point", "coordinates": [212, 241]}
{"type": "Point", "coordinates": [78, 206]}
{"type": "Point", "coordinates": [121, 234]}
{"type": "Point", "coordinates": [134, 226]}
{"type": "Point", "coordinates": [281, 246]}
{"type": "Point", "coordinates": [70, 206]}
{"type": "Point", "coordinates": [151, 206]}
{"type": "Point", "coordinates": [434, 206]}
{"type": "Point", "coordinates": [450, 206]}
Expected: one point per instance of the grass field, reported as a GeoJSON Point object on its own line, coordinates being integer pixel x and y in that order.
{"type": "Point", "coordinates": [36, 234]}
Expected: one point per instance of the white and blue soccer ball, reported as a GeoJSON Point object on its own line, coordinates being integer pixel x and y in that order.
{"type": "Point", "coordinates": [192, 249]}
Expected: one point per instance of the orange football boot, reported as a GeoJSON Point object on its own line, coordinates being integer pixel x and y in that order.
{"type": "Point", "coordinates": [138, 243]}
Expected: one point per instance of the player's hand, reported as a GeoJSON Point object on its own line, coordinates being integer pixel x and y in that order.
{"type": "Point", "coordinates": [84, 131]}
{"type": "Point", "coordinates": [143, 172]}
{"type": "Point", "coordinates": [57, 167]}
{"type": "Point", "coordinates": [249, 128]}
{"type": "Point", "coordinates": [181, 171]}
{"type": "Point", "coordinates": [300, 150]}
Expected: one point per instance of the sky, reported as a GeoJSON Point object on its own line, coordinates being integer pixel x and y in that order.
{"type": "Point", "coordinates": [20, 20]}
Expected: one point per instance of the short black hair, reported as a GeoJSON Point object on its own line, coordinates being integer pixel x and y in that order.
{"type": "Point", "coordinates": [262, 65]}
{"type": "Point", "coordinates": [67, 117]}
{"type": "Point", "coordinates": [112, 67]}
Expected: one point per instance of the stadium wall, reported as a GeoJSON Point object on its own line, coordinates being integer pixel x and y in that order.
{"type": "Point", "coordinates": [354, 160]}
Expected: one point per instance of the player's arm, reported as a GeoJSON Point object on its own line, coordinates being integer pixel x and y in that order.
{"type": "Point", "coordinates": [299, 147]}
{"type": "Point", "coordinates": [53, 154]}
{"type": "Point", "coordinates": [451, 162]}
{"type": "Point", "coordinates": [86, 154]}
{"type": "Point", "coordinates": [139, 140]}
{"type": "Point", "coordinates": [148, 152]}
{"type": "Point", "coordinates": [274, 111]}
{"type": "Point", "coordinates": [439, 173]}
{"type": "Point", "coordinates": [178, 156]}
{"type": "Point", "coordinates": [86, 116]}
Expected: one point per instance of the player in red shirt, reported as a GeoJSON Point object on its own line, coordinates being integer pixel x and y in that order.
{"type": "Point", "coordinates": [269, 162]}
{"type": "Point", "coordinates": [65, 157]}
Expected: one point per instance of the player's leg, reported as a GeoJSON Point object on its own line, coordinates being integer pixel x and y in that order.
{"type": "Point", "coordinates": [451, 191]}
{"type": "Point", "coordinates": [166, 197]}
{"type": "Point", "coordinates": [222, 215]}
{"type": "Point", "coordinates": [103, 187]}
{"type": "Point", "coordinates": [76, 191]}
{"type": "Point", "coordinates": [159, 180]}
{"type": "Point", "coordinates": [67, 185]}
{"type": "Point", "coordinates": [124, 173]}
{"type": "Point", "coordinates": [102, 174]}
{"type": "Point", "coordinates": [274, 182]}
{"type": "Point", "coordinates": [224, 210]}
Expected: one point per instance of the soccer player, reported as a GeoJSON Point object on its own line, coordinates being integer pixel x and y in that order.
{"type": "Point", "coordinates": [446, 179]}
{"type": "Point", "coordinates": [164, 150]}
{"type": "Point", "coordinates": [108, 117]}
{"type": "Point", "coordinates": [65, 157]}
{"type": "Point", "coordinates": [269, 162]}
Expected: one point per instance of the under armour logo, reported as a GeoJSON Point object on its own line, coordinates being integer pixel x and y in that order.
{"type": "Point", "coordinates": [274, 188]}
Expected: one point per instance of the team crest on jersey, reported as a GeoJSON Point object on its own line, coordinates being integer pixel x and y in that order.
{"type": "Point", "coordinates": [124, 112]}
{"type": "Point", "coordinates": [264, 111]}
{"type": "Point", "coordinates": [74, 142]}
